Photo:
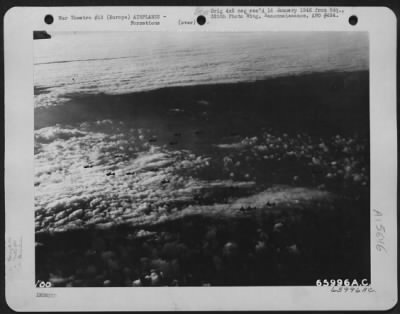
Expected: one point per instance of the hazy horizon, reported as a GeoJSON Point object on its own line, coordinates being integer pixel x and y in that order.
{"type": "Point", "coordinates": [126, 62]}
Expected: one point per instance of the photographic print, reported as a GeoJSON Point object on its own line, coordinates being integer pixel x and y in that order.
{"type": "Point", "coordinates": [201, 159]}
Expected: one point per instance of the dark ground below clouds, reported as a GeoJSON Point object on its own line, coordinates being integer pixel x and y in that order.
{"type": "Point", "coordinates": [319, 103]}
{"type": "Point", "coordinates": [286, 246]}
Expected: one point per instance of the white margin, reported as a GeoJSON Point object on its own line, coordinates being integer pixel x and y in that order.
{"type": "Point", "coordinates": [19, 23]}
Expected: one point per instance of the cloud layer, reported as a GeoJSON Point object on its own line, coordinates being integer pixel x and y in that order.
{"type": "Point", "coordinates": [101, 174]}
{"type": "Point", "coordinates": [105, 173]}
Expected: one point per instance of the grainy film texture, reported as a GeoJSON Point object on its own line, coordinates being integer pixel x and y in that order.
{"type": "Point", "coordinates": [201, 159]}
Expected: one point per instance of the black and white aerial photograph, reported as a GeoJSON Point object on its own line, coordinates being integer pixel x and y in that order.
{"type": "Point", "coordinates": [201, 158]}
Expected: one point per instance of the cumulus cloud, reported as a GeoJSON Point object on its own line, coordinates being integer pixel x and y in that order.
{"type": "Point", "coordinates": [49, 134]}
{"type": "Point", "coordinates": [85, 176]}
{"type": "Point", "coordinates": [104, 173]}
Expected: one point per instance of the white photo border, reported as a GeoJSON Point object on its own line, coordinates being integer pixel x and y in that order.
{"type": "Point", "coordinates": [21, 293]}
